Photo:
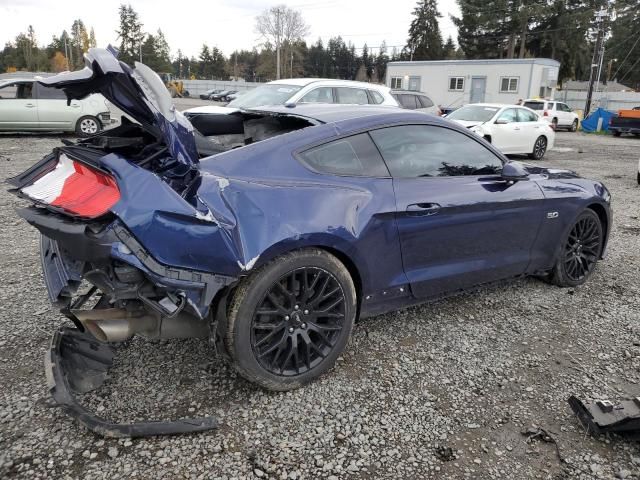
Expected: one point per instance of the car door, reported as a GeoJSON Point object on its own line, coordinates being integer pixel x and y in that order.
{"type": "Point", "coordinates": [319, 95]}
{"type": "Point", "coordinates": [18, 108]}
{"type": "Point", "coordinates": [460, 224]}
{"type": "Point", "coordinates": [530, 128]}
{"type": "Point", "coordinates": [506, 132]}
{"type": "Point", "coordinates": [567, 114]}
{"type": "Point", "coordinates": [53, 111]}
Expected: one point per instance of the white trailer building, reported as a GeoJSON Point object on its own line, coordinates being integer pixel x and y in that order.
{"type": "Point", "coordinates": [452, 83]}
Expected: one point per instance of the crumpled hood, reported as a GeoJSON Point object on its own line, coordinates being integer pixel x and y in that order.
{"type": "Point", "coordinates": [139, 92]}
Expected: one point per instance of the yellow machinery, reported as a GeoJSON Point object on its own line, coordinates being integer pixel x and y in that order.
{"type": "Point", "coordinates": [175, 87]}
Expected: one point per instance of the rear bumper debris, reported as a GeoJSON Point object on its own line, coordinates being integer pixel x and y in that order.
{"type": "Point", "coordinates": [76, 363]}
{"type": "Point", "coordinates": [604, 416]}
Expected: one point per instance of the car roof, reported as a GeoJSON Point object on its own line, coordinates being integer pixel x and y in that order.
{"type": "Point", "coordinates": [412, 92]}
{"type": "Point", "coordinates": [14, 80]}
{"type": "Point", "coordinates": [303, 82]}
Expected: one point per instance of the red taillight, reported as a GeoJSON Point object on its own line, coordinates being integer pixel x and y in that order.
{"type": "Point", "coordinates": [75, 188]}
{"type": "Point", "coordinates": [546, 113]}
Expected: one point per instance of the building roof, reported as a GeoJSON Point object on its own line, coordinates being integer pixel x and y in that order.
{"type": "Point", "coordinates": [491, 61]}
{"type": "Point", "coordinates": [612, 86]}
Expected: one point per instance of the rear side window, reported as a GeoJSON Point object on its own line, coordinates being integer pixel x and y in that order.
{"type": "Point", "coordinates": [412, 151]}
{"type": "Point", "coordinates": [48, 93]}
{"type": "Point", "coordinates": [425, 101]}
{"type": "Point", "coordinates": [526, 116]}
{"type": "Point", "coordinates": [376, 97]}
{"type": "Point", "coordinates": [351, 156]}
{"type": "Point", "coordinates": [408, 101]}
{"type": "Point", "coordinates": [354, 96]}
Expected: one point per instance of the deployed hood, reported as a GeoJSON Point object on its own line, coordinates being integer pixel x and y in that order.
{"type": "Point", "coordinates": [139, 92]}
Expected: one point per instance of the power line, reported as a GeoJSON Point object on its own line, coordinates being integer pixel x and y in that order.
{"type": "Point", "coordinates": [625, 58]}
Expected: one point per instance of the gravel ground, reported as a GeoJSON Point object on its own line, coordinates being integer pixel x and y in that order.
{"type": "Point", "coordinates": [443, 390]}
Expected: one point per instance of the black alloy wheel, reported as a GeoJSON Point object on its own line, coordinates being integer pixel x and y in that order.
{"type": "Point", "coordinates": [581, 249]}
{"type": "Point", "coordinates": [298, 321]}
{"type": "Point", "coordinates": [290, 319]}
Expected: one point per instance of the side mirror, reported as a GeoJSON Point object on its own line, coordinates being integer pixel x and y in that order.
{"type": "Point", "coordinates": [514, 172]}
{"type": "Point", "coordinates": [501, 122]}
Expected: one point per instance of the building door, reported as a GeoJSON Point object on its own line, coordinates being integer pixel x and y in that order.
{"type": "Point", "coordinates": [478, 85]}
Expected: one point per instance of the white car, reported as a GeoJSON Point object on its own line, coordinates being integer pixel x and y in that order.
{"type": "Point", "coordinates": [25, 105]}
{"type": "Point", "coordinates": [416, 101]}
{"type": "Point", "coordinates": [293, 91]}
{"type": "Point", "coordinates": [512, 129]}
{"type": "Point", "coordinates": [558, 114]}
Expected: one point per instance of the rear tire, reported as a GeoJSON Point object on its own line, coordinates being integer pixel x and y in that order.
{"type": "Point", "coordinates": [554, 124]}
{"type": "Point", "coordinates": [288, 322]}
{"type": "Point", "coordinates": [617, 134]}
{"type": "Point", "coordinates": [87, 126]}
{"type": "Point", "coordinates": [539, 148]}
{"type": "Point", "coordinates": [581, 248]}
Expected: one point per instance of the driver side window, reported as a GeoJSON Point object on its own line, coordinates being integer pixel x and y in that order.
{"type": "Point", "coordinates": [319, 95]}
{"type": "Point", "coordinates": [412, 151]}
{"type": "Point", "coordinates": [510, 115]}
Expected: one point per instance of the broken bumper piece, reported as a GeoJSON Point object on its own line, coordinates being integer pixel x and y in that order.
{"type": "Point", "coordinates": [604, 416]}
{"type": "Point", "coordinates": [77, 363]}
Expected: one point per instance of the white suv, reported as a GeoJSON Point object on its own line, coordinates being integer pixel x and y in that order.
{"type": "Point", "coordinates": [558, 114]}
{"type": "Point", "coordinates": [25, 105]}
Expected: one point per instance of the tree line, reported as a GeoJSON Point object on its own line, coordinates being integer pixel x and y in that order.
{"type": "Point", "coordinates": [560, 29]}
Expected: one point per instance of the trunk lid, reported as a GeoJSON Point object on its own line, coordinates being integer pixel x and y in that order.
{"type": "Point", "coordinates": [137, 91]}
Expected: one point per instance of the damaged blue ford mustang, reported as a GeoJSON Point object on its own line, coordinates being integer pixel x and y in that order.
{"type": "Point", "coordinates": [270, 231]}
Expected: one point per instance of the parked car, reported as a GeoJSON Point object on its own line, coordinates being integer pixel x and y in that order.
{"type": "Point", "coordinates": [626, 121]}
{"type": "Point", "coordinates": [512, 129]}
{"type": "Point", "coordinates": [274, 249]}
{"type": "Point", "coordinates": [416, 101]}
{"type": "Point", "coordinates": [207, 95]}
{"type": "Point", "coordinates": [226, 98]}
{"type": "Point", "coordinates": [219, 97]}
{"type": "Point", "coordinates": [233, 96]}
{"type": "Point", "coordinates": [558, 114]}
{"type": "Point", "coordinates": [26, 105]}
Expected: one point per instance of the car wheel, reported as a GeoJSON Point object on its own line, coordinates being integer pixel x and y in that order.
{"type": "Point", "coordinates": [87, 126]}
{"type": "Point", "coordinates": [539, 148]}
{"type": "Point", "coordinates": [638, 178]}
{"type": "Point", "coordinates": [288, 322]}
{"type": "Point", "coordinates": [581, 249]}
{"type": "Point", "coordinates": [617, 134]}
{"type": "Point", "coordinates": [574, 125]}
{"type": "Point", "coordinates": [554, 123]}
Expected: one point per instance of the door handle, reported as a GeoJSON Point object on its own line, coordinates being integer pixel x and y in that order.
{"type": "Point", "coordinates": [516, 128]}
{"type": "Point", "coordinates": [423, 209]}
{"type": "Point", "coordinates": [29, 105]}
{"type": "Point", "coordinates": [75, 105]}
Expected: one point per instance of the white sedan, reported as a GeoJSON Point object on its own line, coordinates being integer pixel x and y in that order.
{"type": "Point", "coordinates": [512, 129]}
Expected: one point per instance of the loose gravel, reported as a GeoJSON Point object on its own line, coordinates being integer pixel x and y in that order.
{"type": "Point", "coordinates": [451, 389]}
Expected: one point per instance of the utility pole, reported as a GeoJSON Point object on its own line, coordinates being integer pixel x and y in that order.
{"type": "Point", "coordinates": [596, 61]}
{"type": "Point", "coordinates": [278, 33]}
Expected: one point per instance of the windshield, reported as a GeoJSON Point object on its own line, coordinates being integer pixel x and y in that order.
{"type": "Point", "coordinates": [534, 105]}
{"type": "Point", "coordinates": [473, 113]}
{"type": "Point", "coordinates": [269, 94]}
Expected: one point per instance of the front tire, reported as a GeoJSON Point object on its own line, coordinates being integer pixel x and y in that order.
{"type": "Point", "coordinates": [539, 148]}
{"type": "Point", "coordinates": [87, 126]}
{"type": "Point", "coordinates": [574, 125]}
{"type": "Point", "coordinates": [288, 322]}
{"type": "Point", "coordinates": [581, 249]}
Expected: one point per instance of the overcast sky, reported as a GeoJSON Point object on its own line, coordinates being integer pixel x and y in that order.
{"type": "Point", "coordinates": [229, 24]}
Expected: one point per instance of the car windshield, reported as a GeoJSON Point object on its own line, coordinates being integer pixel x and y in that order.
{"type": "Point", "coordinates": [534, 105]}
{"type": "Point", "coordinates": [473, 113]}
{"type": "Point", "coordinates": [270, 94]}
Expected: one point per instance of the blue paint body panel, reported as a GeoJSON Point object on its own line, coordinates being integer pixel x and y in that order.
{"type": "Point", "coordinates": [257, 202]}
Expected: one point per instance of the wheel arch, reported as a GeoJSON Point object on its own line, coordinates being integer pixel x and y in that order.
{"type": "Point", "coordinates": [604, 220]}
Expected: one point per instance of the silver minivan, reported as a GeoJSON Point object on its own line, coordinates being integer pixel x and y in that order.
{"type": "Point", "coordinates": [25, 105]}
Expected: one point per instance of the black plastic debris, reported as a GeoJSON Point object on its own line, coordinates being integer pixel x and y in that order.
{"type": "Point", "coordinates": [76, 363]}
{"type": "Point", "coordinates": [605, 416]}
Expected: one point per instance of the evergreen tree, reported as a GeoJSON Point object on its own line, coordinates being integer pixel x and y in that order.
{"type": "Point", "coordinates": [623, 48]}
{"type": "Point", "coordinates": [449, 49]}
{"type": "Point", "coordinates": [130, 34]}
{"type": "Point", "coordinates": [425, 40]}
{"type": "Point", "coordinates": [92, 39]}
